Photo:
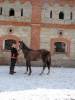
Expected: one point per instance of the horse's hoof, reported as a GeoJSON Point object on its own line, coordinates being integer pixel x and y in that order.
{"type": "Point", "coordinates": [40, 74]}
{"type": "Point", "coordinates": [47, 73]}
{"type": "Point", "coordinates": [25, 73]}
{"type": "Point", "coordinates": [29, 74]}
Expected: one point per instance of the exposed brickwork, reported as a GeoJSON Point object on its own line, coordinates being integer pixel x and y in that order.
{"type": "Point", "coordinates": [36, 18]}
{"type": "Point", "coordinates": [35, 37]}
{"type": "Point", "coordinates": [62, 2]}
{"type": "Point", "coordinates": [48, 25]}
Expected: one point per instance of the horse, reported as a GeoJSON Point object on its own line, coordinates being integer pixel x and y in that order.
{"type": "Point", "coordinates": [34, 55]}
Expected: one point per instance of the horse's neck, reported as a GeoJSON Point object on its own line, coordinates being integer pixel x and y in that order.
{"type": "Point", "coordinates": [26, 48]}
{"type": "Point", "coordinates": [25, 52]}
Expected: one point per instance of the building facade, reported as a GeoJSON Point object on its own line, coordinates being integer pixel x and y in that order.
{"type": "Point", "coordinates": [48, 24]}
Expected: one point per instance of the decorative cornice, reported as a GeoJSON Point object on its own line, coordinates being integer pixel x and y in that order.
{"type": "Point", "coordinates": [48, 25]}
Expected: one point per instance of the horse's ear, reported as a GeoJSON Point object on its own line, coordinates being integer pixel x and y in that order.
{"type": "Point", "coordinates": [20, 41]}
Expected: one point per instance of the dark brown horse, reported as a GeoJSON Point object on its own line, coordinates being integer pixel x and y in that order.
{"type": "Point", "coordinates": [34, 55]}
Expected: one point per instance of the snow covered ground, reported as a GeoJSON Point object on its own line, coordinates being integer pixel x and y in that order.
{"type": "Point", "coordinates": [59, 85]}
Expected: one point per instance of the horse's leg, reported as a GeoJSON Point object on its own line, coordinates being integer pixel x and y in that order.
{"type": "Point", "coordinates": [26, 67]}
{"type": "Point", "coordinates": [48, 65]}
{"type": "Point", "coordinates": [30, 71]}
{"type": "Point", "coordinates": [44, 66]}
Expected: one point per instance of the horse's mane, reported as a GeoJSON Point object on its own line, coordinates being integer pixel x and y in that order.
{"type": "Point", "coordinates": [26, 47]}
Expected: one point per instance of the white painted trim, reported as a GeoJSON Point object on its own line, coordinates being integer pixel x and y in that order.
{"type": "Point", "coordinates": [3, 44]}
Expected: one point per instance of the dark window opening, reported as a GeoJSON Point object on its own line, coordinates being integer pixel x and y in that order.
{"type": "Point", "coordinates": [61, 15]}
{"type": "Point", "coordinates": [60, 33]}
{"type": "Point", "coordinates": [8, 44]}
{"type": "Point", "coordinates": [22, 12]}
{"type": "Point", "coordinates": [0, 10]}
{"type": "Point", "coordinates": [51, 14]}
{"type": "Point", "coordinates": [60, 47]}
{"type": "Point", "coordinates": [11, 12]}
{"type": "Point", "coordinates": [10, 30]}
{"type": "Point", "coordinates": [71, 15]}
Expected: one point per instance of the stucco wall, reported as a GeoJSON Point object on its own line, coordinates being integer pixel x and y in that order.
{"type": "Point", "coordinates": [17, 6]}
{"type": "Point", "coordinates": [56, 9]}
{"type": "Point", "coordinates": [22, 32]}
{"type": "Point", "coordinates": [47, 34]}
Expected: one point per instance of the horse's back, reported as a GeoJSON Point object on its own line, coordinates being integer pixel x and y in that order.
{"type": "Point", "coordinates": [44, 51]}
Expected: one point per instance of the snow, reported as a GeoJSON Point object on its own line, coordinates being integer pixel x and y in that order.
{"type": "Point", "coordinates": [59, 85]}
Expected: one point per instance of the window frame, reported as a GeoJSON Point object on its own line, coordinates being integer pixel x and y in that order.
{"type": "Point", "coordinates": [61, 39]}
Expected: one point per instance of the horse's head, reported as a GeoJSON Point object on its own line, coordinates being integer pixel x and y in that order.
{"type": "Point", "coordinates": [21, 44]}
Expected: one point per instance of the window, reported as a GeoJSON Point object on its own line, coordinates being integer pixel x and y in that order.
{"type": "Point", "coordinates": [60, 33]}
{"type": "Point", "coordinates": [61, 15]}
{"type": "Point", "coordinates": [51, 14]}
{"type": "Point", "coordinates": [10, 30]}
{"type": "Point", "coordinates": [8, 44]}
{"type": "Point", "coordinates": [60, 47]}
{"type": "Point", "coordinates": [0, 10]}
{"type": "Point", "coordinates": [11, 12]}
{"type": "Point", "coordinates": [22, 12]}
{"type": "Point", "coordinates": [71, 15]}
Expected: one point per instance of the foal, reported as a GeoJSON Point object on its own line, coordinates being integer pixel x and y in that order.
{"type": "Point", "coordinates": [34, 55]}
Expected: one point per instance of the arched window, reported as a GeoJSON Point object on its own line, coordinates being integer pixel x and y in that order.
{"type": "Point", "coordinates": [61, 15]}
{"type": "Point", "coordinates": [22, 12]}
{"type": "Point", "coordinates": [0, 10]}
{"type": "Point", "coordinates": [11, 12]}
{"type": "Point", "coordinates": [51, 14]}
{"type": "Point", "coordinates": [71, 15]}
{"type": "Point", "coordinates": [60, 47]}
{"type": "Point", "coordinates": [8, 43]}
